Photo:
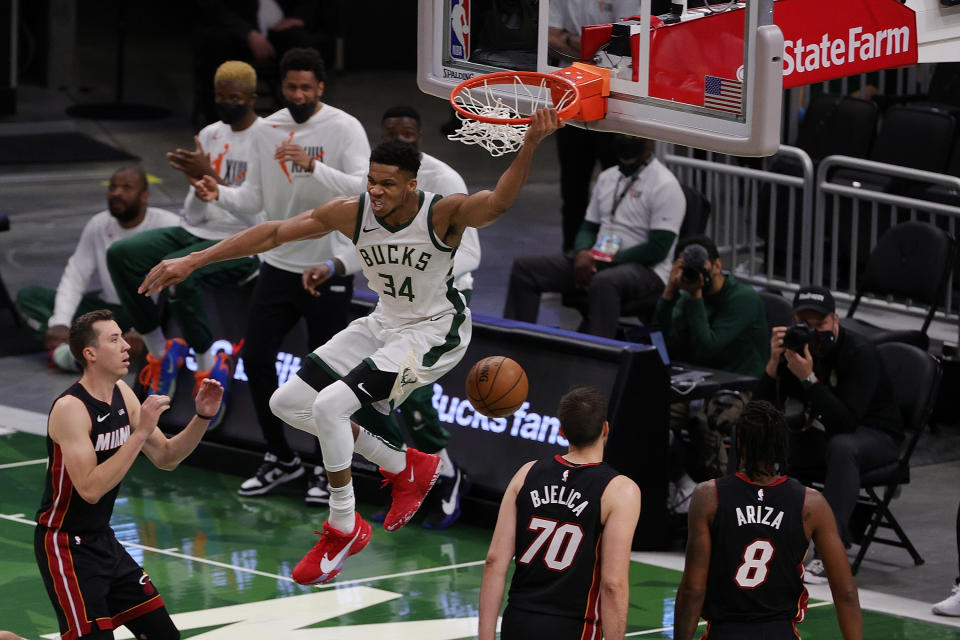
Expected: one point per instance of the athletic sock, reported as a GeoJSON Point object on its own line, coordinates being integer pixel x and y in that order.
{"type": "Point", "coordinates": [342, 505]}
{"type": "Point", "coordinates": [378, 451]}
{"type": "Point", "coordinates": [156, 342]}
{"type": "Point", "coordinates": [205, 360]}
{"type": "Point", "coordinates": [446, 464]}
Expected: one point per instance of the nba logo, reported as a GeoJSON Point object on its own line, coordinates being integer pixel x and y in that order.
{"type": "Point", "coordinates": [460, 29]}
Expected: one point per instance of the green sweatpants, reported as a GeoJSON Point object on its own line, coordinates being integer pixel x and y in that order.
{"type": "Point", "coordinates": [129, 260]}
{"type": "Point", "coordinates": [35, 304]}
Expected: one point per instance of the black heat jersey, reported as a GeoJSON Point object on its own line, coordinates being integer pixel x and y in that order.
{"type": "Point", "coordinates": [62, 507]}
{"type": "Point", "coordinates": [758, 545]}
{"type": "Point", "coordinates": [558, 540]}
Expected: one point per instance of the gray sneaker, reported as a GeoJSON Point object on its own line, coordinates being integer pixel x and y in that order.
{"type": "Point", "coordinates": [318, 491]}
{"type": "Point", "coordinates": [814, 573]}
{"type": "Point", "coordinates": [270, 475]}
{"type": "Point", "coordinates": [950, 606]}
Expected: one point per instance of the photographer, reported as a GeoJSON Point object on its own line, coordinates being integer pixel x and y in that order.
{"type": "Point", "coordinates": [710, 319]}
{"type": "Point", "coordinates": [849, 420]}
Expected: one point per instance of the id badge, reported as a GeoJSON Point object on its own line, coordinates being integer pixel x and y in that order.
{"type": "Point", "coordinates": [605, 248]}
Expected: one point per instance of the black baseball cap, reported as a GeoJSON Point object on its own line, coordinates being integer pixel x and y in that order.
{"type": "Point", "coordinates": [813, 298]}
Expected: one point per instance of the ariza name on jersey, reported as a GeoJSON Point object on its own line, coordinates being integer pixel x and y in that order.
{"type": "Point", "coordinates": [558, 494]}
{"type": "Point", "coordinates": [759, 514]}
{"type": "Point", "coordinates": [379, 254]}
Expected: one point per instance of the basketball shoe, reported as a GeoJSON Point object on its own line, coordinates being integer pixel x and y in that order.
{"type": "Point", "coordinates": [325, 560]}
{"type": "Point", "coordinates": [446, 500]}
{"type": "Point", "coordinates": [159, 375]}
{"type": "Point", "coordinates": [271, 474]}
{"type": "Point", "coordinates": [950, 606]}
{"type": "Point", "coordinates": [410, 487]}
{"type": "Point", "coordinates": [222, 372]}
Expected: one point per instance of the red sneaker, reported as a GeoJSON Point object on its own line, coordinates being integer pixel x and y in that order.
{"type": "Point", "coordinates": [410, 487]}
{"type": "Point", "coordinates": [150, 374]}
{"type": "Point", "coordinates": [325, 560]}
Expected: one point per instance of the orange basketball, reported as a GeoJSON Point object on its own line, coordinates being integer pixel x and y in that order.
{"type": "Point", "coordinates": [497, 386]}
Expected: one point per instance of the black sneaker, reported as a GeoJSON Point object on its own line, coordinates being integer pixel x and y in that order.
{"type": "Point", "coordinates": [271, 474]}
{"type": "Point", "coordinates": [445, 507]}
{"type": "Point", "coordinates": [318, 490]}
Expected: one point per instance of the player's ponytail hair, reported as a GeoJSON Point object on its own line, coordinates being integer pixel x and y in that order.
{"type": "Point", "coordinates": [762, 439]}
{"type": "Point", "coordinates": [582, 412]}
{"type": "Point", "coordinates": [83, 335]}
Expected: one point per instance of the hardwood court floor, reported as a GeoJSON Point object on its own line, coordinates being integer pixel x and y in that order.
{"type": "Point", "coordinates": [223, 563]}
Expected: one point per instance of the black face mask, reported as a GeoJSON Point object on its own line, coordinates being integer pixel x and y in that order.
{"type": "Point", "coordinates": [630, 154]}
{"type": "Point", "coordinates": [300, 112]}
{"type": "Point", "coordinates": [231, 113]}
{"type": "Point", "coordinates": [629, 167]}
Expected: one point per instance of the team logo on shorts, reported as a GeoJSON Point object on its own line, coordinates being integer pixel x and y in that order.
{"type": "Point", "coordinates": [148, 588]}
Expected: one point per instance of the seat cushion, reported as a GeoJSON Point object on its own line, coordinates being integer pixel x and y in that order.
{"type": "Point", "coordinates": [879, 335]}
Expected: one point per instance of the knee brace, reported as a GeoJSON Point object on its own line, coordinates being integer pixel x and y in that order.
{"type": "Point", "coordinates": [292, 402]}
{"type": "Point", "coordinates": [332, 408]}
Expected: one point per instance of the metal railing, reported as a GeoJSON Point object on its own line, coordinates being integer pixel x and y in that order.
{"type": "Point", "coordinates": [761, 220]}
{"type": "Point", "coordinates": [856, 201]}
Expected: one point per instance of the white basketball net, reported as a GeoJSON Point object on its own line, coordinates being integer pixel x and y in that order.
{"type": "Point", "coordinates": [500, 139]}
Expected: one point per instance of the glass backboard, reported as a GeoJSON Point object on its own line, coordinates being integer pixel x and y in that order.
{"type": "Point", "coordinates": [703, 76]}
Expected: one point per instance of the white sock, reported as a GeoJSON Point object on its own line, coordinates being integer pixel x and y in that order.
{"type": "Point", "coordinates": [156, 342]}
{"type": "Point", "coordinates": [446, 464]}
{"type": "Point", "coordinates": [205, 359]}
{"type": "Point", "coordinates": [377, 451]}
{"type": "Point", "coordinates": [342, 505]}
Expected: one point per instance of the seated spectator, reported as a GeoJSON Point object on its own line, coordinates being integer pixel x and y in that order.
{"type": "Point", "coordinates": [49, 313]}
{"type": "Point", "coordinates": [251, 30]}
{"type": "Point", "coordinates": [711, 319]}
{"type": "Point", "coordinates": [632, 222]}
{"type": "Point", "coordinates": [228, 142]}
{"type": "Point", "coordinates": [849, 420]}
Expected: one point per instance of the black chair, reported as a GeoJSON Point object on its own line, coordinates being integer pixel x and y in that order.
{"type": "Point", "coordinates": [779, 309]}
{"type": "Point", "coordinates": [912, 260]}
{"type": "Point", "coordinates": [915, 378]}
{"type": "Point", "coordinates": [695, 218]}
{"type": "Point", "coordinates": [5, 301]}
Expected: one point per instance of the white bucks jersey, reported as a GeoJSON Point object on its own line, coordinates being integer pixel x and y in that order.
{"type": "Point", "coordinates": [407, 266]}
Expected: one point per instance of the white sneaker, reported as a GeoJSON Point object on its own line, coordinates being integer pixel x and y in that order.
{"type": "Point", "coordinates": [814, 573]}
{"type": "Point", "coordinates": [318, 491]}
{"type": "Point", "coordinates": [271, 474]}
{"type": "Point", "coordinates": [950, 606]}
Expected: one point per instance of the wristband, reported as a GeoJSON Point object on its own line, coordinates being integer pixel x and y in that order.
{"type": "Point", "coordinates": [203, 417]}
{"type": "Point", "coordinates": [810, 380]}
{"type": "Point", "coordinates": [330, 264]}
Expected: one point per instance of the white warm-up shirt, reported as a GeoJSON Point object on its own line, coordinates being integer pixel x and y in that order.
{"type": "Point", "coordinates": [230, 154]}
{"type": "Point", "coordinates": [283, 190]}
{"type": "Point", "coordinates": [651, 201]}
{"type": "Point", "coordinates": [90, 256]}
{"type": "Point", "coordinates": [435, 176]}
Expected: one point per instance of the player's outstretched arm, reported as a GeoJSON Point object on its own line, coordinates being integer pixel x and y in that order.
{"type": "Point", "coordinates": [693, 584]}
{"type": "Point", "coordinates": [498, 557]}
{"type": "Point", "coordinates": [70, 428]}
{"type": "Point", "coordinates": [620, 510]}
{"type": "Point", "coordinates": [485, 207]}
{"type": "Point", "coordinates": [819, 521]}
{"type": "Point", "coordinates": [167, 453]}
{"type": "Point", "coordinates": [337, 214]}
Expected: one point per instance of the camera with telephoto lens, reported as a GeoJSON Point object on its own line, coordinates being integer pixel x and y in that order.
{"type": "Point", "coordinates": [691, 275]}
{"type": "Point", "coordinates": [694, 259]}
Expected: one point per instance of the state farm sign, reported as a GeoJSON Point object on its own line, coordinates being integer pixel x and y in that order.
{"type": "Point", "coordinates": [826, 39]}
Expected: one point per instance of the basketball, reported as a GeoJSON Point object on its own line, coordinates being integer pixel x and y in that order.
{"type": "Point", "coordinates": [497, 386]}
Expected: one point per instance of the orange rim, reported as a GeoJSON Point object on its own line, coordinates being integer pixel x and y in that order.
{"type": "Point", "coordinates": [553, 82]}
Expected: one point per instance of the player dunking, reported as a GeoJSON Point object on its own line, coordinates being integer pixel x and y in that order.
{"type": "Point", "coordinates": [748, 535]}
{"type": "Point", "coordinates": [95, 431]}
{"type": "Point", "coordinates": [569, 520]}
{"type": "Point", "coordinates": [420, 329]}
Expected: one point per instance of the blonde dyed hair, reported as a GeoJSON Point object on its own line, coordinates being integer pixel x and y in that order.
{"type": "Point", "coordinates": [239, 72]}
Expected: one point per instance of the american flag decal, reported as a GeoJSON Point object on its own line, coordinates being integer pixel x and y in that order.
{"type": "Point", "coordinates": [722, 94]}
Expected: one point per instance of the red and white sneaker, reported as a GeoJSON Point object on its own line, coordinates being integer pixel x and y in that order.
{"type": "Point", "coordinates": [410, 487]}
{"type": "Point", "coordinates": [325, 560]}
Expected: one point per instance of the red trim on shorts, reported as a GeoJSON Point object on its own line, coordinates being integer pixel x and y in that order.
{"type": "Point", "coordinates": [591, 615]}
{"type": "Point", "coordinates": [744, 477]}
{"type": "Point", "coordinates": [124, 617]}
{"type": "Point", "coordinates": [65, 584]}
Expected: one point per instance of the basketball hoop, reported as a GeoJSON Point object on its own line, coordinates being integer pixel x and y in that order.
{"type": "Point", "coordinates": [495, 108]}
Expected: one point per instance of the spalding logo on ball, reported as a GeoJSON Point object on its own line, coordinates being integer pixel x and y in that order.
{"type": "Point", "coordinates": [497, 386]}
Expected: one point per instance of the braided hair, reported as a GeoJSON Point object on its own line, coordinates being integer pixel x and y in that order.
{"type": "Point", "coordinates": [762, 439]}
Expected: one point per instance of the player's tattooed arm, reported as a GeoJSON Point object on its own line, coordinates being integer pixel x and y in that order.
{"type": "Point", "coordinates": [693, 584]}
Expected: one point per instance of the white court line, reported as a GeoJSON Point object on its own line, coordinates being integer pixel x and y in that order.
{"type": "Point", "coordinates": [702, 623]}
{"type": "Point", "coordinates": [22, 420]}
{"type": "Point", "coordinates": [19, 518]}
{"type": "Point", "coordinates": [869, 600]}
{"type": "Point", "coordinates": [25, 463]}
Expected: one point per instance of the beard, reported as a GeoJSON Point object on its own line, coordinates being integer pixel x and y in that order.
{"type": "Point", "coordinates": [124, 213]}
{"type": "Point", "coordinates": [300, 112]}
